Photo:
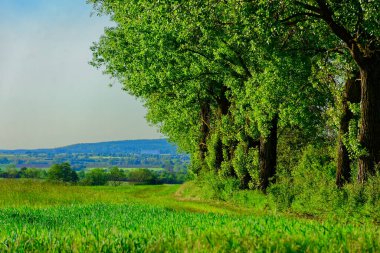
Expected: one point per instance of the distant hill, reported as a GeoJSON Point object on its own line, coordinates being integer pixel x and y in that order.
{"type": "Point", "coordinates": [155, 146]}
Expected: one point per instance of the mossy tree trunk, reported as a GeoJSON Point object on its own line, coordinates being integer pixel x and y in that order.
{"type": "Point", "coordinates": [268, 155]}
{"type": "Point", "coordinates": [369, 136]}
{"type": "Point", "coordinates": [351, 94]}
{"type": "Point", "coordinates": [205, 115]}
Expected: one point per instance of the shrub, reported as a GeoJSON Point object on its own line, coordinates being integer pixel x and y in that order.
{"type": "Point", "coordinates": [310, 187]}
{"type": "Point", "coordinates": [363, 199]}
{"type": "Point", "coordinates": [217, 187]}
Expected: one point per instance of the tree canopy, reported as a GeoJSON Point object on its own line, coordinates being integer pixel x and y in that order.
{"type": "Point", "coordinates": [232, 82]}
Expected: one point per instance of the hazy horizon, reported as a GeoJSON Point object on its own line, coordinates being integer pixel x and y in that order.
{"type": "Point", "coordinates": [49, 95]}
{"type": "Point", "coordinates": [69, 144]}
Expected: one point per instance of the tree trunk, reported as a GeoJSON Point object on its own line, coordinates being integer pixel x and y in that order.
{"type": "Point", "coordinates": [351, 94]}
{"type": "Point", "coordinates": [223, 109]}
{"type": "Point", "coordinates": [218, 154]}
{"type": "Point", "coordinates": [365, 52]}
{"type": "Point", "coordinates": [268, 156]}
{"type": "Point", "coordinates": [369, 136]}
{"type": "Point", "coordinates": [223, 103]}
{"type": "Point", "coordinates": [251, 143]}
{"type": "Point", "coordinates": [205, 130]}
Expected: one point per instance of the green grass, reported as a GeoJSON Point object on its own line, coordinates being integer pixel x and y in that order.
{"type": "Point", "coordinates": [37, 216]}
{"type": "Point", "coordinates": [37, 194]}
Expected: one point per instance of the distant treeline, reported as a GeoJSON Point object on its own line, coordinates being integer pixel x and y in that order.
{"type": "Point", "coordinates": [111, 148]}
{"type": "Point", "coordinates": [80, 161]}
{"type": "Point", "coordinates": [115, 176]}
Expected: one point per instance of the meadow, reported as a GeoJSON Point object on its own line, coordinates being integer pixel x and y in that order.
{"type": "Point", "coordinates": [37, 216]}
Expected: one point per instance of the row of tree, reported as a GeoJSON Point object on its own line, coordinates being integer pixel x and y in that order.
{"type": "Point", "coordinates": [65, 173]}
{"type": "Point", "coordinates": [236, 83]}
{"type": "Point", "coordinates": [116, 176]}
{"type": "Point", "coordinates": [12, 172]}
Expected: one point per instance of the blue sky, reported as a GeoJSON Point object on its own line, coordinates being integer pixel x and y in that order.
{"type": "Point", "coordinates": [49, 95]}
{"type": "Point", "coordinates": [42, 10]}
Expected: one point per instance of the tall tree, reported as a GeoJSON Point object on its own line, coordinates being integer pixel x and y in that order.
{"type": "Point", "coordinates": [213, 76]}
{"type": "Point", "coordinates": [355, 25]}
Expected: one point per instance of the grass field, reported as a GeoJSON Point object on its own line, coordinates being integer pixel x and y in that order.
{"type": "Point", "coordinates": [37, 216]}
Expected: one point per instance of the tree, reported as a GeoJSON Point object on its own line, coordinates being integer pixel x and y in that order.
{"type": "Point", "coordinates": [22, 171]}
{"type": "Point", "coordinates": [116, 176]}
{"type": "Point", "coordinates": [11, 171]}
{"type": "Point", "coordinates": [95, 177]}
{"type": "Point", "coordinates": [205, 74]}
{"type": "Point", "coordinates": [62, 172]}
{"type": "Point", "coordinates": [32, 173]}
{"type": "Point", "coordinates": [355, 25]}
{"type": "Point", "coordinates": [142, 176]}
{"type": "Point", "coordinates": [351, 94]}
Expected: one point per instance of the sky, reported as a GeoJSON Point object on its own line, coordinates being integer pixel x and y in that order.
{"type": "Point", "coordinates": [49, 95]}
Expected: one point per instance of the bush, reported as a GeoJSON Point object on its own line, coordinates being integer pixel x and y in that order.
{"type": "Point", "coordinates": [363, 199]}
{"type": "Point", "coordinates": [310, 189]}
{"type": "Point", "coordinates": [216, 187]}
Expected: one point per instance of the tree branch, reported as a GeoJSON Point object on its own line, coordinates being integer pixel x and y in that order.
{"type": "Point", "coordinates": [313, 50]}
{"type": "Point", "coordinates": [309, 7]}
{"type": "Point", "coordinates": [340, 31]}
{"type": "Point", "coordinates": [197, 52]}
{"type": "Point", "coordinates": [239, 59]}
{"type": "Point", "coordinates": [301, 14]}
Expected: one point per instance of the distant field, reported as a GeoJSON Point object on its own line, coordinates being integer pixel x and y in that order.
{"type": "Point", "coordinates": [154, 169]}
{"type": "Point", "coordinates": [129, 169]}
{"type": "Point", "coordinates": [37, 216]}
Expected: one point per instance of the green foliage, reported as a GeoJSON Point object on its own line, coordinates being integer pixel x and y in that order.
{"type": "Point", "coordinates": [141, 176]}
{"type": "Point", "coordinates": [116, 176]}
{"type": "Point", "coordinates": [245, 161]}
{"type": "Point", "coordinates": [351, 141]}
{"type": "Point", "coordinates": [229, 56]}
{"type": "Point", "coordinates": [62, 172]}
{"type": "Point", "coordinates": [216, 75]}
{"type": "Point", "coordinates": [216, 187]}
{"type": "Point", "coordinates": [95, 177]}
{"type": "Point", "coordinates": [11, 171]}
{"type": "Point", "coordinates": [310, 190]}
{"type": "Point", "coordinates": [213, 146]}
{"type": "Point", "coordinates": [34, 173]}
{"type": "Point", "coordinates": [363, 199]}
{"type": "Point", "coordinates": [311, 186]}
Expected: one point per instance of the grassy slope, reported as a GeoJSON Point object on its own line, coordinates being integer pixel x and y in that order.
{"type": "Point", "coordinates": [37, 216]}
